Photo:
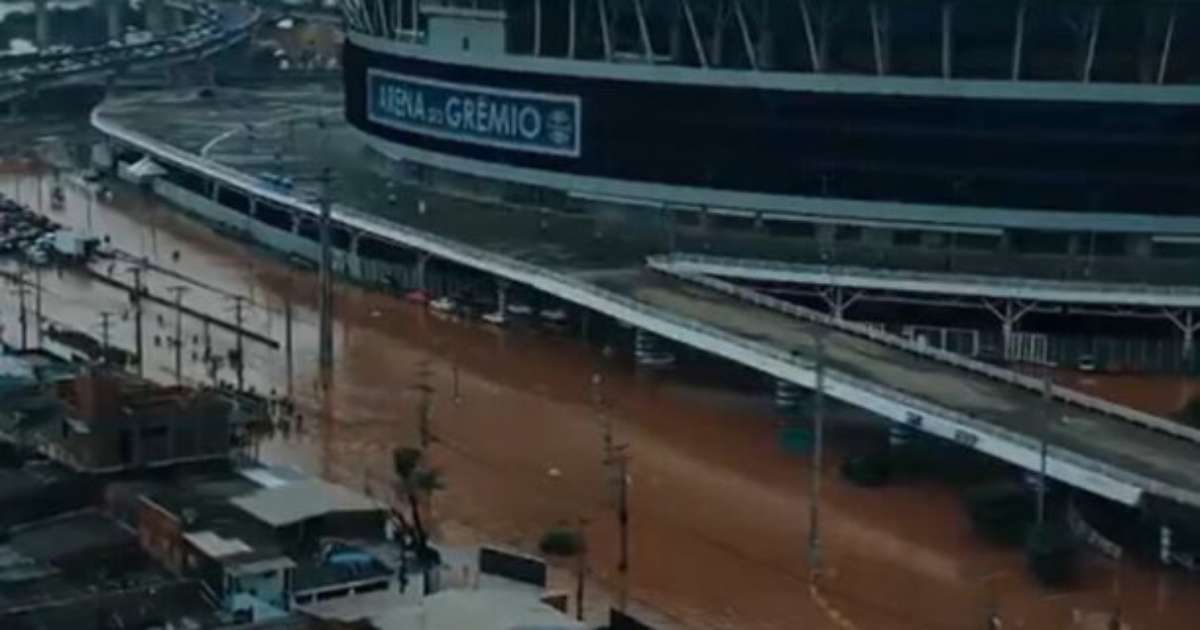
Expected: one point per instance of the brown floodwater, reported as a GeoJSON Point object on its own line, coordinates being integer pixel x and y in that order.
{"type": "Point", "coordinates": [719, 512]}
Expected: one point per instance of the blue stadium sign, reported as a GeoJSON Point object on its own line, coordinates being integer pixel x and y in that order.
{"type": "Point", "coordinates": [509, 119]}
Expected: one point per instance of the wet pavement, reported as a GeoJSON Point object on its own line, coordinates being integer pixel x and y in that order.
{"type": "Point", "coordinates": [719, 511]}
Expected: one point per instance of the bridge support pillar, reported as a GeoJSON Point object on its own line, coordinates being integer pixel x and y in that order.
{"type": "Point", "coordinates": [114, 16]}
{"type": "Point", "coordinates": [1186, 322]}
{"type": "Point", "coordinates": [502, 297]}
{"type": "Point", "coordinates": [648, 350]}
{"type": "Point", "coordinates": [42, 22]}
{"type": "Point", "coordinates": [419, 271]}
{"type": "Point", "coordinates": [1009, 313]}
{"type": "Point", "coordinates": [156, 19]}
{"type": "Point", "coordinates": [838, 300]}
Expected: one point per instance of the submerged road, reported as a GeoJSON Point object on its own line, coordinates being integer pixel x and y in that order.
{"type": "Point", "coordinates": [718, 509]}
{"type": "Point", "coordinates": [1110, 456]}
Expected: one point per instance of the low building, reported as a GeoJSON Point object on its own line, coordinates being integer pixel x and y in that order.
{"type": "Point", "coordinates": [116, 422]}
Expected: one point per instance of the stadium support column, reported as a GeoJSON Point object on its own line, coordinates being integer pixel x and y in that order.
{"type": "Point", "coordinates": [1009, 313]}
{"type": "Point", "coordinates": [647, 49]}
{"type": "Point", "coordinates": [947, 40]}
{"type": "Point", "coordinates": [1019, 39]}
{"type": "Point", "coordinates": [537, 28]}
{"type": "Point", "coordinates": [744, 29]}
{"type": "Point", "coordinates": [1168, 37]}
{"type": "Point", "coordinates": [880, 35]}
{"type": "Point", "coordinates": [814, 50]}
{"type": "Point", "coordinates": [156, 21]}
{"type": "Point", "coordinates": [571, 18]}
{"type": "Point", "coordinates": [602, 6]}
{"type": "Point", "coordinates": [675, 45]}
{"type": "Point", "coordinates": [1093, 35]}
{"type": "Point", "coordinates": [43, 23]}
{"type": "Point", "coordinates": [691, 21]}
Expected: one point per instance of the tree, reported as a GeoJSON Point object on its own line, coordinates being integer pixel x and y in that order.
{"type": "Point", "coordinates": [416, 482]}
{"type": "Point", "coordinates": [567, 543]}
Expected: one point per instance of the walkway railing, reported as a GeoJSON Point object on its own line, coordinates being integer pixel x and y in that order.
{"type": "Point", "coordinates": [991, 286]}
{"type": "Point", "coordinates": [665, 265]}
{"type": "Point", "coordinates": [1021, 449]}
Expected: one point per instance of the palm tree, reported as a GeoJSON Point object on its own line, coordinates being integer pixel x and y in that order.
{"type": "Point", "coordinates": [416, 481]}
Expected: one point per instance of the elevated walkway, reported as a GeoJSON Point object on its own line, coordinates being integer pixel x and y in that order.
{"type": "Point", "coordinates": [1106, 449]}
{"type": "Point", "coordinates": [956, 284]}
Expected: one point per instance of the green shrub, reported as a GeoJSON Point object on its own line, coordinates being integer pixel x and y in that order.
{"type": "Point", "coordinates": [561, 542]}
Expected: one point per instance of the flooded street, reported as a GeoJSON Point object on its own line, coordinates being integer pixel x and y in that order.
{"type": "Point", "coordinates": [719, 512]}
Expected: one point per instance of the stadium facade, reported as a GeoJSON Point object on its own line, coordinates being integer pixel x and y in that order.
{"type": "Point", "coordinates": [1030, 138]}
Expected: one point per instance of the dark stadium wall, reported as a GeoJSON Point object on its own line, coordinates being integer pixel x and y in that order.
{"type": "Point", "coordinates": [1062, 155]}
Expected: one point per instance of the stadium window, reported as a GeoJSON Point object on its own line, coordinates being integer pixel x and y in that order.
{"type": "Point", "coordinates": [466, 43]}
{"type": "Point", "coordinates": [906, 238]}
{"type": "Point", "coordinates": [1176, 250]}
{"type": "Point", "coordinates": [845, 233]}
{"type": "Point", "coordinates": [308, 229]}
{"type": "Point", "coordinates": [977, 241]}
{"type": "Point", "coordinates": [1110, 244]}
{"type": "Point", "coordinates": [798, 229]}
{"type": "Point", "coordinates": [234, 200]}
{"type": "Point", "coordinates": [1040, 242]}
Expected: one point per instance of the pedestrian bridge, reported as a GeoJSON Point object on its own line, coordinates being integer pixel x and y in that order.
{"type": "Point", "coordinates": [1107, 449]}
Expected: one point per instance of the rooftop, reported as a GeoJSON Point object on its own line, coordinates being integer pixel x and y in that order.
{"type": "Point", "coordinates": [450, 610]}
{"type": "Point", "coordinates": [294, 502]}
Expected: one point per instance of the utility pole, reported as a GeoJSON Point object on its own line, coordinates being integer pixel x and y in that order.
{"type": "Point", "coordinates": [37, 305]}
{"type": "Point", "coordinates": [580, 569]}
{"type": "Point", "coordinates": [616, 458]}
{"type": "Point", "coordinates": [90, 200]}
{"type": "Point", "coordinates": [814, 523]}
{"type": "Point", "coordinates": [240, 347]}
{"type": "Point", "coordinates": [41, 208]}
{"type": "Point", "coordinates": [136, 300]}
{"type": "Point", "coordinates": [620, 459]}
{"type": "Point", "coordinates": [326, 277]}
{"type": "Point", "coordinates": [1047, 391]}
{"type": "Point", "coordinates": [104, 326]}
{"type": "Point", "coordinates": [21, 305]}
{"type": "Point", "coordinates": [287, 338]}
{"type": "Point", "coordinates": [178, 290]}
{"type": "Point", "coordinates": [425, 405]}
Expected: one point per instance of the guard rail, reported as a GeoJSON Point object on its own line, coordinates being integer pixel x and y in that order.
{"type": "Point", "coordinates": [772, 360]}
{"type": "Point", "coordinates": [663, 264]}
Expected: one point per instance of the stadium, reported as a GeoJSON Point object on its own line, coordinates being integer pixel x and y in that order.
{"type": "Point", "coordinates": [813, 147]}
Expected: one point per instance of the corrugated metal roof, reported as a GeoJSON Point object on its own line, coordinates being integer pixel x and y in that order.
{"type": "Point", "coordinates": [295, 502]}
{"type": "Point", "coordinates": [213, 545]}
